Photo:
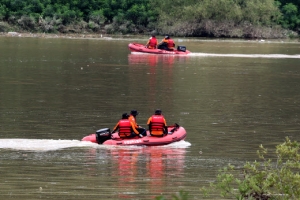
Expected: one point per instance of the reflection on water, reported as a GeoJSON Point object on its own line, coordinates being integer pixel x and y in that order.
{"type": "Point", "coordinates": [153, 60]}
{"type": "Point", "coordinates": [143, 59]}
{"type": "Point", "coordinates": [155, 164]}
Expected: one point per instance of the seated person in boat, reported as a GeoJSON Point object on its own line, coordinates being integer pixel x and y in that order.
{"type": "Point", "coordinates": [132, 119]}
{"type": "Point", "coordinates": [125, 127]}
{"type": "Point", "coordinates": [167, 44]}
{"type": "Point", "coordinates": [157, 124]}
{"type": "Point", "coordinates": [152, 42]}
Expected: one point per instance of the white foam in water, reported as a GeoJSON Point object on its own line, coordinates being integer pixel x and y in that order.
{"type": "Point", "coordinates": [245, 55]}
{"type": "Point", "coordinates": [277, 56]}
{"type": "Point", "coordinates": [42, 145]}
{"type": "Point", "coordinates": [51, 145]}
{"type": "Point", "coordinates": [179, 144]}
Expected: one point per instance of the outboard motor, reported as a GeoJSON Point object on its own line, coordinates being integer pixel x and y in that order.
{"type": "Point", "coordinates": [102, 135]}
{"type": "Point", "coordinates": [181, 48]}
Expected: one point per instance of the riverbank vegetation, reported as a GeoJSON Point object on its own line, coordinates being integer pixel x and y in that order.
{"type": "Point", "coordinates": [192, 18]}
{"type": "Point", "coordinates": [276, 176]}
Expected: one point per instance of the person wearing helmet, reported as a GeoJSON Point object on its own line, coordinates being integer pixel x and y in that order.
{"type": "Point", "coordinates": [132, 118]}
{"type": "Point", "coordinates": [152, 42]}
{"type": "Point", "coordinates": [157, 124]}
{"type": "Point", "coordinates": [167, 44]}
{"type": "Point", "coordinates": [125, 127]}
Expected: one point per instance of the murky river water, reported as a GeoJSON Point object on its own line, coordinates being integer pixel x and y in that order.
{"type": "Point", "coordinates": [230, 96]}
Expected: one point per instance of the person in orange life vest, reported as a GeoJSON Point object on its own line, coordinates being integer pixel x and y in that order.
{"type": "Point", "coordinates": [157, 124]}
{"type": "Point", "coordinates": [132, 118]}
{"type": "Point", "coordinates": [152, 42]}
{"type": "Point", "coordinates": [125, 127]}
{"type": "Point", "coordinates": [167, 44]}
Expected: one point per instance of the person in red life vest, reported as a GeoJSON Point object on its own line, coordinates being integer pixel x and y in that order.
{"type": "Point", "coordinates": [167, 44]}
{"type": "Point", "coordinates": [152, 42]}
{"type": "Point", "coordinates": [132, 119]}
{"type": "Point", "coordinates": [125, 127]}
{"type": "Point", "coordinates": [157, 124]}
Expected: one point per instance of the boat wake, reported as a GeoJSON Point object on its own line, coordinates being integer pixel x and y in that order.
{"type": "Point", "coordinates": [276, 56]}
{"type": "Point", "coordinates": [245, 55]}
{"type": "Point", "coordinates": [42, 145]}
{"type": "Point", "coordinates": [52, 145]}
{"type": "Point", "coordinates": [179, 144]}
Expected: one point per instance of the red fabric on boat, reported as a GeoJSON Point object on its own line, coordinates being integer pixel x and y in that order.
{"type": "Point", "coordinates": [136, 47]}
{"type": "Point", "coordinates": [177, 135]}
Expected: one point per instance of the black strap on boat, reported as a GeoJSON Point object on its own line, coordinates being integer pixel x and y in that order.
{"type": "Point", "coordinates": [176, 126]}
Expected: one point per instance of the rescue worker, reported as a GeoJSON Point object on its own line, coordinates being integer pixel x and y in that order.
{"type": "Point", "coordinates": [167, 44]}
{"type": "Point", "coordinates": [157, 124]}
{"type": "Point", "coordinates": [152, 42]}
{"type": "Point", "coordinates": [132, 118]}
{"type": "Point", "coordinates": [125, 127]}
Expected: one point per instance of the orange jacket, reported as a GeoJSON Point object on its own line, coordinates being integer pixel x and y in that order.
{"type": "Point", "coordinates": [125, 128]}
{"type": "Point", "coordinates": [157, 125]}
{"type": "Point", "coordinates": [133, 121]}
{"type": "Point", "coordinates": [170, 42]}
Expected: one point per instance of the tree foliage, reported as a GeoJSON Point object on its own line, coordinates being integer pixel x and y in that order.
{"type": "Point", "coordinates": [268, 179]}
{"type": "Point", "coordinates": [228, 18]}
{"type": "Point", "coordinates": [217, 17]}
{"type": "Point", "coordinates": [97, 12]}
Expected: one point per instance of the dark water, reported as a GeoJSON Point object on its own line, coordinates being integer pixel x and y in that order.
{"type": "Point", "coordinates": [230, 96]}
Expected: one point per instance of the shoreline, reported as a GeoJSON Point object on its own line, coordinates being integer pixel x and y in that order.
{"type": "Point", "coordinates": [59, 35]}
{"type": "Point", "coordinates": [137, 37]}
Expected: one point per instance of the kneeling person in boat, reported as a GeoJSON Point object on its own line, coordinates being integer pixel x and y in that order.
{"type": "Point", "coordinates": [157, 124]}
{"type": "Point", "coordinates": [167, 44]}
{"type": "Point", "coordinates": [125, 127]}
{"type": "Point", "coordinates": [152, 42]}
{"type": "Point", "coordinates": [132, 119]}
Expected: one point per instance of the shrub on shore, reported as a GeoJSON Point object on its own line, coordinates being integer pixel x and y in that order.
{"type": "Point", "coordinates": [268, 179]}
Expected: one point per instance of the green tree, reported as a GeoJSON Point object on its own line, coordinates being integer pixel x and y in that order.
{"type": "Point", "coordinates": [35, 6]}
{"type": "Point", "coordinates": [228, 18]}
{"type": "Point", "coordinates": [215, 17]}
{"type": "Point", "coordinates": [291, 14]}
{"type": "Point", "coordinates": [291, 17]}
{"type": "Point", "coordinates": [97, 16]}
{"type": "Point", "coordinates": [3, 12]}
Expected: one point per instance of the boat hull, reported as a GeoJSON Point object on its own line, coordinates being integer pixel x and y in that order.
{"type": "Point", "coordinates": [135, 47]}
{"type": "Point", "coordinates": [175, 136]}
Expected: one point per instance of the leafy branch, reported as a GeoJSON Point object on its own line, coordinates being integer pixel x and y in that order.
{"type": "Point", "coordinates": [263, 180]}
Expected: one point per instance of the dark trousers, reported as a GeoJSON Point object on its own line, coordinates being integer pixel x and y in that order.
{"type": "Point", "coordinates": [142, 131]}
{"type": "Point", "coordinates": [164, 46]}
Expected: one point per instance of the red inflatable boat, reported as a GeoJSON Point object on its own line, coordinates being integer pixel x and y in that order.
{"type": "Point", "coordinates": [104, 136]}
{"type": "Point", "coordinates": [135, 47]}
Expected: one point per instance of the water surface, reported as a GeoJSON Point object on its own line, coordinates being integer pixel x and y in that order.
{"type": "Point", "coordinates": [230, 96]}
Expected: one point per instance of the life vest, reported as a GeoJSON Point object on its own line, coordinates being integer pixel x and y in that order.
{"type": "Point", "coordinates": [157, 125]}
{"type": "Point", "coordinates": [125, 129]}
{"type": "Point", "coordinates": [171, 44]}
{"type": "Point", "coordinates": [167, 44]}
{"type": "Point", "coordinates": [152, 43]}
